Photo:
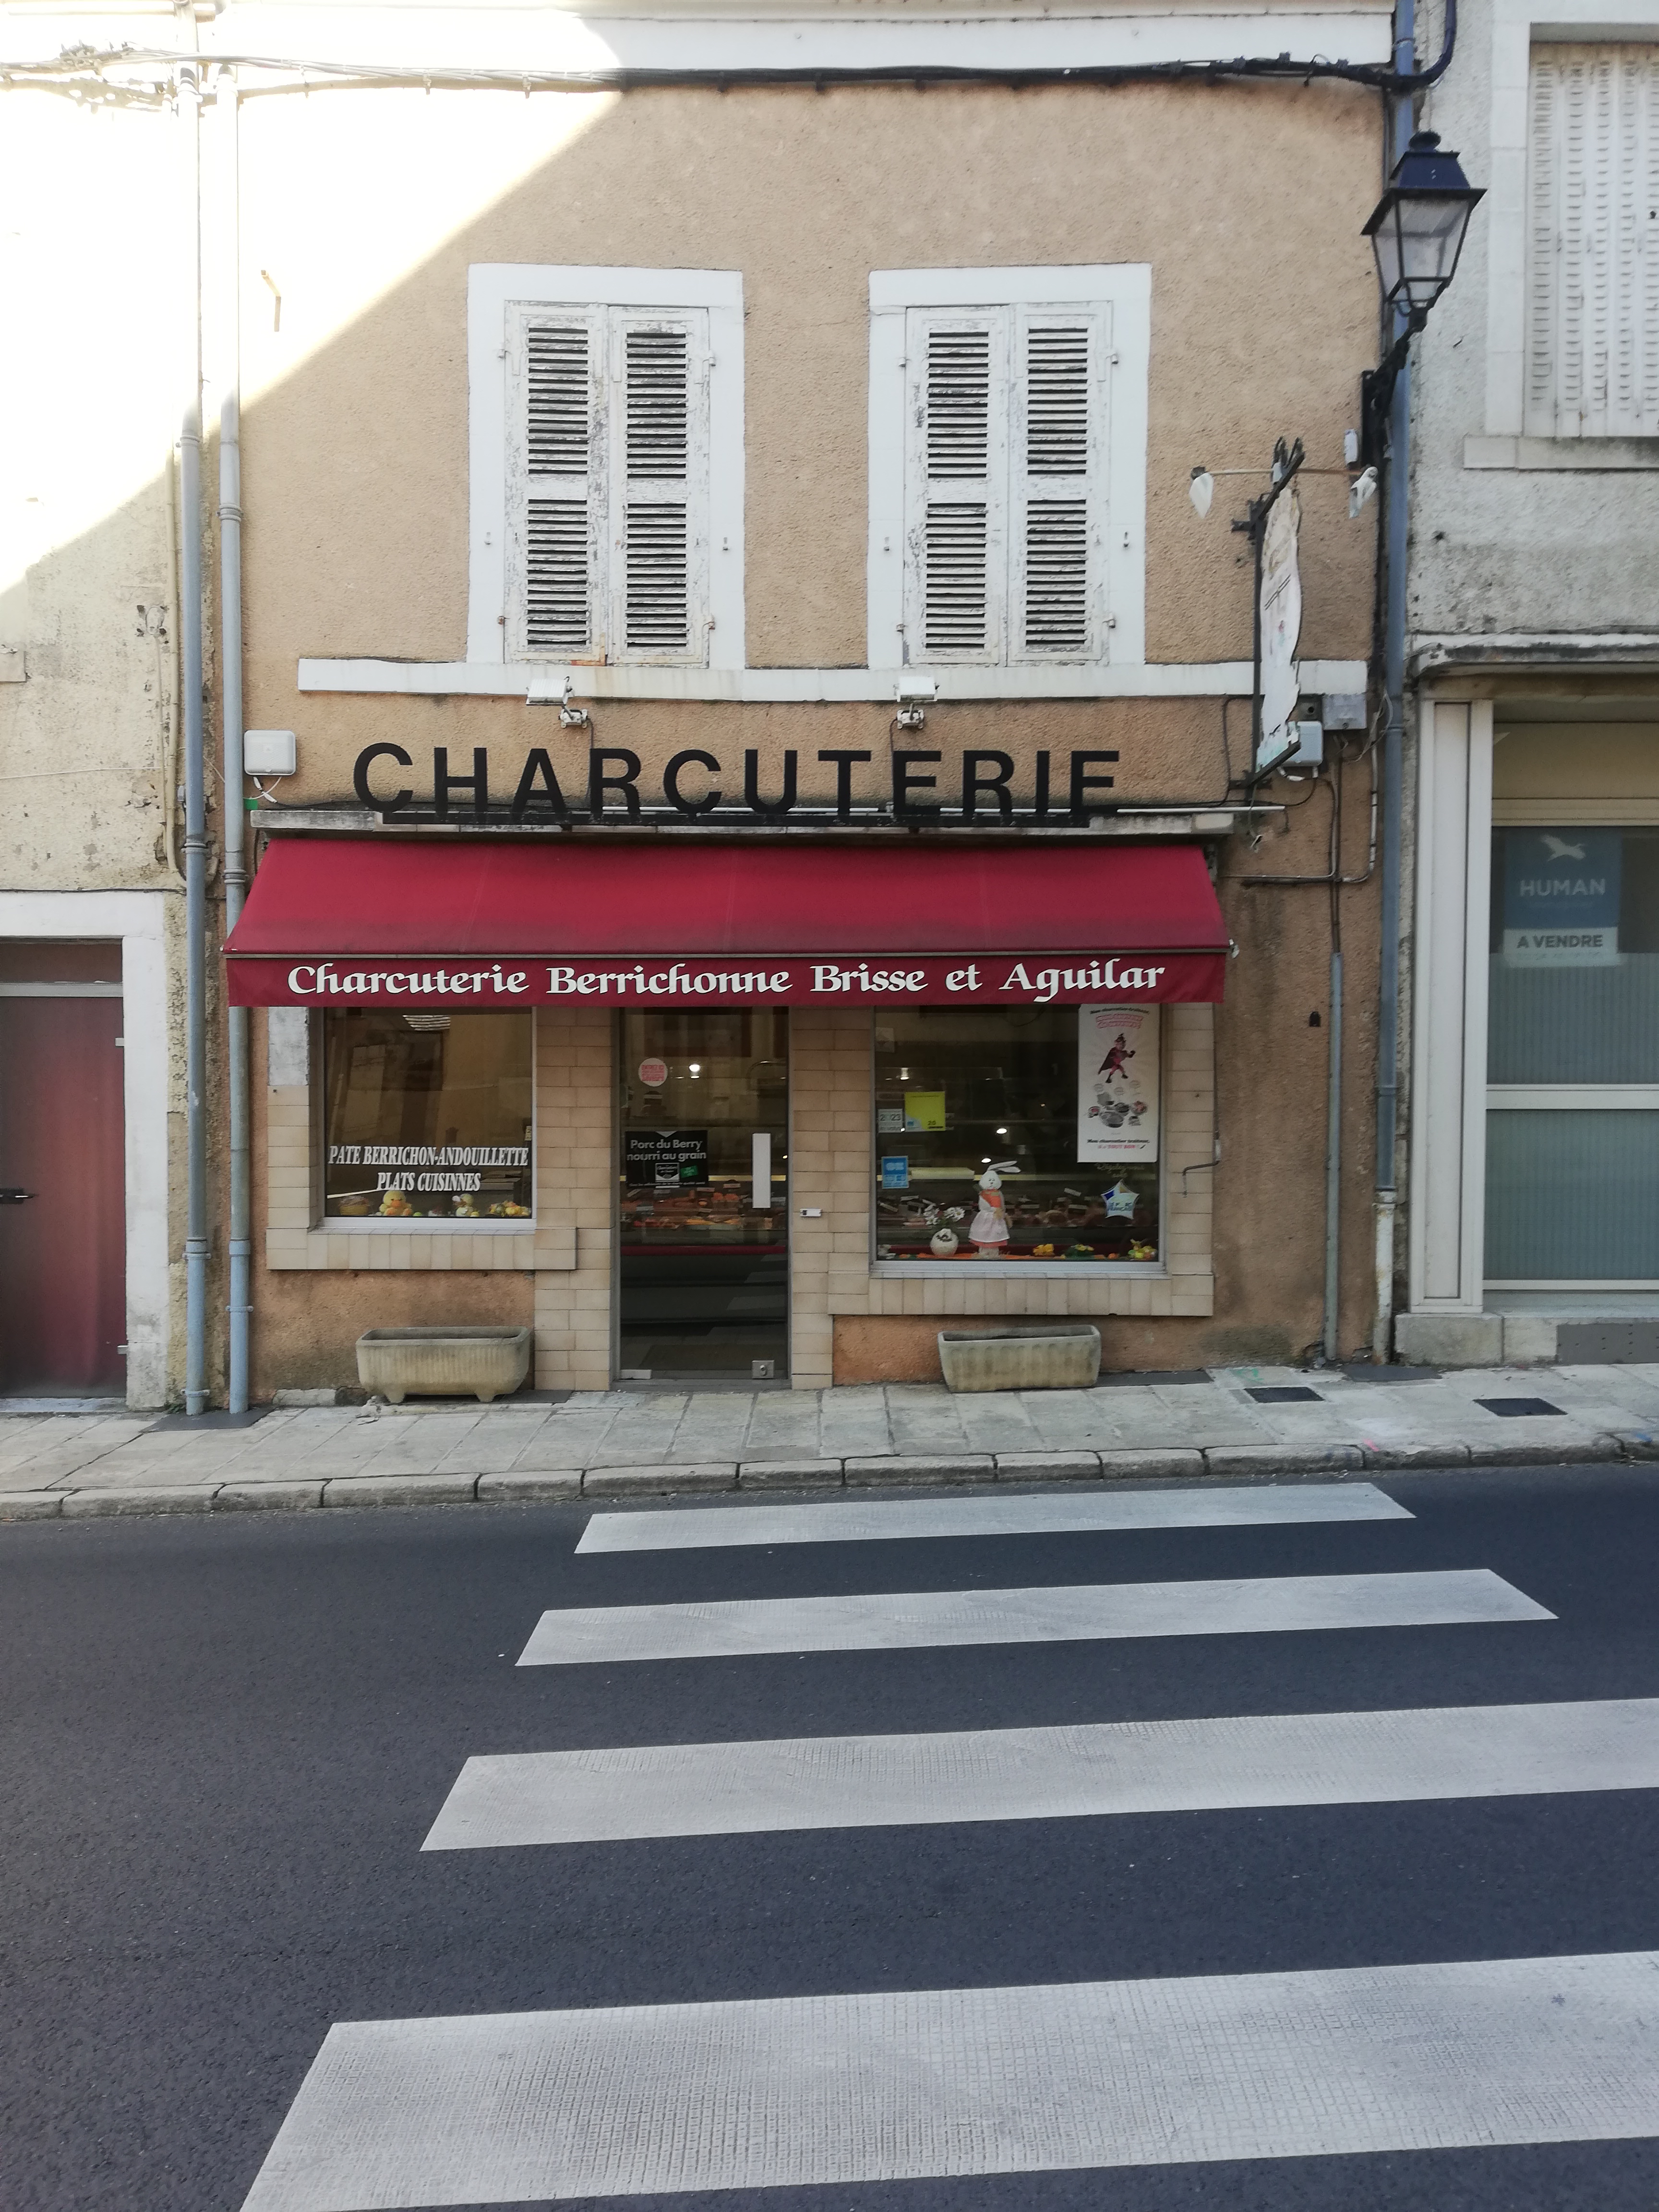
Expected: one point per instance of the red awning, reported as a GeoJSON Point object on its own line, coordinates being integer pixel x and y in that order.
{"type": "Point", "coordinates": [386, 922]}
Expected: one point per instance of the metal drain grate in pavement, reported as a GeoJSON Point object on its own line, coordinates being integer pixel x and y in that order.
{"type": "Point", "coordinates": [1284, 1394]}
{"type": "Point", "coordinates": [1513, 1409]}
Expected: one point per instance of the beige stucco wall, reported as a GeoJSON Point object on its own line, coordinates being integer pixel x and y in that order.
{"type": "Point", "coordinates": [355, 455]}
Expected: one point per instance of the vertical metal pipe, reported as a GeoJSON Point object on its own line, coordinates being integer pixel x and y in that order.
{"type": "Point", "coordinates": [1333, 1161]}
{"type": "Point", "coordinates": [190, 628]}
{"type": "Point", "coordinates": [1397, 540]}
{"type": "Point", "coordinates": [230, 669]}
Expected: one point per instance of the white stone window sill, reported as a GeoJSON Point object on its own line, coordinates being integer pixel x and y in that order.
{"type": "Point", "coordinates": [424, 1224]}
{"type": "Point", "coordinates": [1578, 454]}
{"type": "Point", "coordinates": [1022, 1270]}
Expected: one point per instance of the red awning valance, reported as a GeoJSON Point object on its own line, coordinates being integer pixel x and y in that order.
{"type": "Point", "coordinates": [374, 922]}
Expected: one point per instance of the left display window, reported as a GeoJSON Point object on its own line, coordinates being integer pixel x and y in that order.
{"type": "Point", "coordinates": [427, 1116]}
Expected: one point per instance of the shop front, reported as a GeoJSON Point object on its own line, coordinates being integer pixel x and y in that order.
{"type": "Point", "coordinates": [1536, 1079]}
{"type": "Point", "coordinates": [770, 1110]}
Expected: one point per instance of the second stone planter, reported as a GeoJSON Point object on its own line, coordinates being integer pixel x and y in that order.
{"type": "Point", "coordinates": [482, 1363]}
{"type": "Point", "coordinates": [1064, 1358]}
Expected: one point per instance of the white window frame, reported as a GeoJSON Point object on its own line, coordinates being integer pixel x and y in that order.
{"type": "Point", "coordinates": [1516, 26]}
{"type": "Point", "coordinates": [495, 290]}
{"type": "Point", "coordinates": [1601, 414]}
{"type": "Point", "coordinates": [1451, 1097]}
{"type": "Point", "coordinates": [1123, 291]}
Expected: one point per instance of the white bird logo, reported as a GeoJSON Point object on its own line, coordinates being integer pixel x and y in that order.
{"type": "Point", "coordinates": [1558, 849]}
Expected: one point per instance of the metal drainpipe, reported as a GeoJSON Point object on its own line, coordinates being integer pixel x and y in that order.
{"type": "Point", "coordinates": [190, 627]}
{"type": "Point", "coordinates": [1393, 685]}
{"type": "Point", "coordinates": [1334, 1165]}
{"type": "Point", "coordinates": [230, 658]}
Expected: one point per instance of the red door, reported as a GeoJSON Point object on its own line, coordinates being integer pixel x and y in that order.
{"type": "Point", "coordinates": [63, 1247]}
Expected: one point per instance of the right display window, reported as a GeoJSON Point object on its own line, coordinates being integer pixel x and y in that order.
{"type": "Point", "coordinates": [1026, 1133]}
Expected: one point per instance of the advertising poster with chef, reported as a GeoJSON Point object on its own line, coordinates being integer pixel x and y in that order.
{"type": "Point", "coordinates": [1117, 1056]}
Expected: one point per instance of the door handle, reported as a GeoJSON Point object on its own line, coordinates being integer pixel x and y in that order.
{"type": "Point", "coordinates": [10, 1196]}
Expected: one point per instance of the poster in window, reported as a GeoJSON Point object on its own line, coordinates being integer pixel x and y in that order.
{"type": "Point", "coordinates": [666, 1158]}
{"type": "Point", "coordinates": [1117, 1057]}
{"type": "Point", "coordinates": [1561, 893]}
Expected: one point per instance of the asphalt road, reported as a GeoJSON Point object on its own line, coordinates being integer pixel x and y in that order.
{"type": "Point", "coordinates": [222, 1742]}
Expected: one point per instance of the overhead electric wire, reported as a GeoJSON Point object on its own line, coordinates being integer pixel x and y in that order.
{"type": "Point", "coordinates": [79, 67]}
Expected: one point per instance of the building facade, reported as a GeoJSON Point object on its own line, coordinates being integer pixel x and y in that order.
{"type": "Point", "coordinates": [92, 1101]}
{"type": "Point", "coordinates": [1535, 654]}
{"type": "Point", "coordinates": [769, 862]}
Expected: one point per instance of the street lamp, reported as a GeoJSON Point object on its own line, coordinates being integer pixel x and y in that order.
{"type": "Point", "coordinates": [1417, 231]}
{"type": "Point", "coordinates": [1417, 227]}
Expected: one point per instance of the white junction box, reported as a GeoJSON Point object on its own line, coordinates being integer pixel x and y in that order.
{"type": "Point", "coordinates": [269, 752]}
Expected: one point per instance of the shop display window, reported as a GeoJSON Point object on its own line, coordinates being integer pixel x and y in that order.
{"type": "Point", "coordinates": [1019, 1133]}
{"type": "Point", "coordinates": [427, 1116]}
{"type": "Point", "coordinates": [1573, 991]}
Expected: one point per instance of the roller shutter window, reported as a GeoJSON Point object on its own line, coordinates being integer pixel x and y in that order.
{"type": "Point", "coordinates": [1005, 440]}
{"type": "Point", "coordinates": [608, 494]}
{"type": "Point", "coordinates": [1593, 243]}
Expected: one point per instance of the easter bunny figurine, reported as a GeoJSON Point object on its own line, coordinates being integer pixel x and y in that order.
{"type": "Point", "coordinates": [988, 1229]}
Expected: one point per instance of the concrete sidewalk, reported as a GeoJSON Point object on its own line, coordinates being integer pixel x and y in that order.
{"type": "Point", "coordinates": [658, 1442]}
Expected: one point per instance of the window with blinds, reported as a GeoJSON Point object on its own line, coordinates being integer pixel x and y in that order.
{"type": "Point", "coordinates": [1593, 243]}
{"type": "Point", "coordinates": [1005, 489]}
{"type": "Point", "coordinates": [608, 490]}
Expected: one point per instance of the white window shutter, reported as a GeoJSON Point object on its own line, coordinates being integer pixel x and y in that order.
{"type": "Point", "coordinates": [659, 511]}
{"type": "Point", "coordinates": [1056, 485]}
{"type": "Point", "coordinates": [555, 495]}
{"type": "Point", "coordinates": [957, 439]}
{"type": "Point", "coordinates": [1544, 254]}
{"type": "Point", "coordinates": [1593, 243]}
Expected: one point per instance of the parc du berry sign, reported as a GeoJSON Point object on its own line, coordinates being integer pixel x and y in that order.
{"type": "Point", "coordinates": [612, 786]}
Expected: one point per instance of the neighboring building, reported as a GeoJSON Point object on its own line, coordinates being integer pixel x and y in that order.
{"type": "Point", "coordinates": [1535, 646]}
{"type": "Point", "coordinates": [91, 916]}
{"type": "Point", "coordinates": [657, 501]}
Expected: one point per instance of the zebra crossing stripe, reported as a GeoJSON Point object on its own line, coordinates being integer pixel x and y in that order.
{"type": "Point", "coordinates": [917, 1619]}
{"type": "Point", "coordinates": [1050, 1773]}
{"type": "Point", "coordinates": [824, 1522]}
{"type": "Point", "coordinates": [633, 2100]}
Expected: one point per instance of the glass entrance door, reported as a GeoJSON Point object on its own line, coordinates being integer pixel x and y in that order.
{"type": "Point", "coordinates": [1572, 1099]}
{"type": "Point", "coordinates": [704, 1231]}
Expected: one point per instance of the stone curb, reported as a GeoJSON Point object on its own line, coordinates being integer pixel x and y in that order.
{"type": "Point", "coordinates": [1293, 1459]}
{"type": "Point", "coordinates": [525, 1489]}
{"type": "Point", "coordinates": [1049, 1467]}
{"type": "Point", "coordinates": [1541, 1452]}
{"type": "Point", "coordinates": [896, 1471]}
{"type": "Point", "coordinates": [1153, 1466]}
{"type": "Point", "coordinates": [789, 1474]}
{"type": "Point", "coordinates": [97, 1504]}
{"type": "Point", "coordinates": [1381, 1457]}
{"type": "Point", "coordinates": [399, 1489]}
{"type": "Point", "coordinates": [658, 1481]}
{"type": "Point", "coordinates": [268, 1496]}
{"type": "Point", "coordinates": [963, 1467]}
{"type": "Point", "coordinates": [31, 1504]}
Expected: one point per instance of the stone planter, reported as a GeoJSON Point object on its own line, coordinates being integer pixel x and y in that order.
{"type": "Point", "coordinates": [1064, 1358]}
{"type": "Point", "coordinates": [443, 1363]}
